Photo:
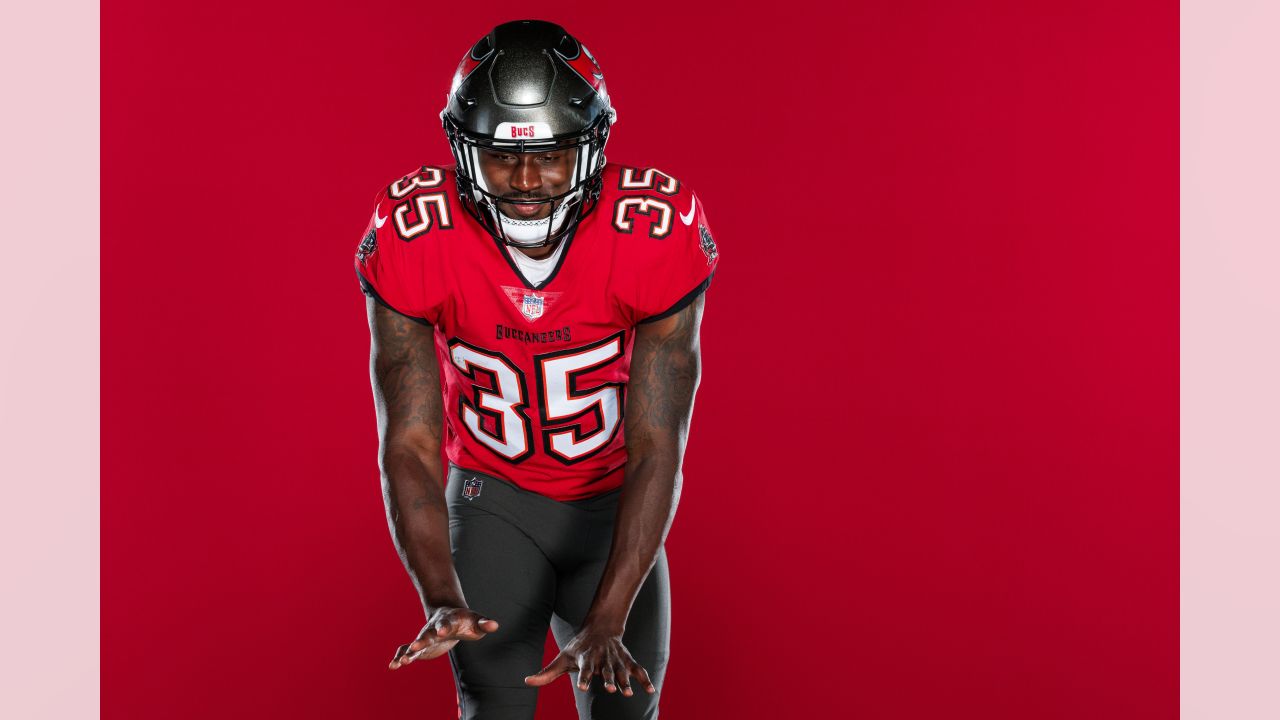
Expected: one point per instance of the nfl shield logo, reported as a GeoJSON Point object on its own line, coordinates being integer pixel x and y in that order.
{"type": "Point", "coordinates": [471, 488]}
{"type": "Point", "coordinates": [531, 303]}
{"type": "Point", "coordinates": [532, 307]}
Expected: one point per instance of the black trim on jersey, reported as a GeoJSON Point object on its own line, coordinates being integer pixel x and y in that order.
{"type": "Point", "coordinates": [502, 250]}
{"type": "Point", "coordinates": [682, 303]}
{"type": "Point", "coordinates": [367, 288]}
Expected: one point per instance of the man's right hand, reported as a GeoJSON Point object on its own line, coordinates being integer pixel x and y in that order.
{"type": "Point", "coordinates": [445, 627]}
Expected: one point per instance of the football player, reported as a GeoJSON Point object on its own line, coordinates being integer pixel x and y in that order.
{"type": "Point", "coordinates": [535, 310]}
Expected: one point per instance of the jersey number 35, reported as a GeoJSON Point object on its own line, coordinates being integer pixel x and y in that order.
{"type": "Point", "coordinates": [504, 400]}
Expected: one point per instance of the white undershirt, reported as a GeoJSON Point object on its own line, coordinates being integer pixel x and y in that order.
{"type": "Point", "coordinates": [536, 271]}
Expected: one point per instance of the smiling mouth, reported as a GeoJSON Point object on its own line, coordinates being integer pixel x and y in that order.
{"type": "Point", "coordinates": [527, 210]}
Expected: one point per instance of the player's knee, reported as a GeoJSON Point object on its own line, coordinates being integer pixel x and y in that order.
{"type": "Point", "coordinates": [602, 705]}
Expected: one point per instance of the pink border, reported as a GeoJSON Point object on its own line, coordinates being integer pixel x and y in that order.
{"type": "Point", "coordinates": [49, 376]}
{"type": "Point", "coordinates": [1230, 360]}
{"type": "Point", "coordinates": [1230, 350]}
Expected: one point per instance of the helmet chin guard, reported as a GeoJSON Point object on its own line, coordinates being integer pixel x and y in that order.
{"type": "Point", "coordinates": [535, 233]}
{"type": "Point", "coordinates": [528, 87]}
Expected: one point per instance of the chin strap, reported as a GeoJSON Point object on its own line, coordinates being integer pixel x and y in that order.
{"type": "Point", "coordinates": [534, 233]}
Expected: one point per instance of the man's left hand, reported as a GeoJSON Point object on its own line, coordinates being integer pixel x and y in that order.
{"type": "Point", "coordinates": [596, 652]}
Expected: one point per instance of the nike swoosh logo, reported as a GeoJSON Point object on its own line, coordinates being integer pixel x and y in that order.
{"type": "Point", "coordinates": [687, 219]}
{"type": "Point", "coordinates": [378, 221]}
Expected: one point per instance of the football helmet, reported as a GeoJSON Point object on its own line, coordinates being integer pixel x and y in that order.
{"type": "Point", "coordinates": [528, 86]}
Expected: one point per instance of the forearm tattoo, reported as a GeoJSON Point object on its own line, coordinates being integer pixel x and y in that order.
{"type": "Point", "coordinates": [406, 375]}
{"type": "Point", "coordinates": [665, 370]}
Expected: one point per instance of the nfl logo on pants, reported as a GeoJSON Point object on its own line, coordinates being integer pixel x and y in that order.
{"type": "Point", "coordinates": [471, 488]}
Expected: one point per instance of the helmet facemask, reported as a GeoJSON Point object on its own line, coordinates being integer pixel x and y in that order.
{"type": "Point", "coordinates": [568, 208]}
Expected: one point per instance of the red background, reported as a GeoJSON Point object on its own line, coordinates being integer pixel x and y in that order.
{"type": "Point", "coordinates": [933, 465]}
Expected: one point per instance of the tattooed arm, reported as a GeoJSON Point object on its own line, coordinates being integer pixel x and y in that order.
{"type": "Point", "coordinates": [406, 395]}
{"type": "Point", "coordinates": [666, 364]}
{"type": "Point", "coordinates": [665, 369]}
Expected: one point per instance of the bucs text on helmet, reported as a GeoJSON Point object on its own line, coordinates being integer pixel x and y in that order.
{"type": "Point", "coordinates": [528, 86]}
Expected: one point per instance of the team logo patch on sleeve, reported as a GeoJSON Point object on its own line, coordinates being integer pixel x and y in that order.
{"type": "Point", "coordinates": [471, 488]}
{"type": "Point", "coordinates": [708, 244]}
{"type": "Point", "coordinates": [367, 246]}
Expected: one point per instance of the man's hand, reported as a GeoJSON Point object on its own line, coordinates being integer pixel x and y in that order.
{"type": "Point", "coordinates": [445, 627]}
{"type": "Point", "coordinates": [592, 652]}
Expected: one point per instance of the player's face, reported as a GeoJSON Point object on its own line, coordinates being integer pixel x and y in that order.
{"type": "Point", "coordinates": [527, 176]}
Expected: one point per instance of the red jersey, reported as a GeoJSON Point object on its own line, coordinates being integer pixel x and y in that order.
{"type": "Point", "coordinates": [534, 379]}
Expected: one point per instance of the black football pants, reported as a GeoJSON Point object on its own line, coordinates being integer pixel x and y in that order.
{"type": "Point", "coordinates": [530, 562]}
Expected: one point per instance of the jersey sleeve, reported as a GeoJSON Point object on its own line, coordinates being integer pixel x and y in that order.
{"type": "Point", "coordinates": [679, 267]}
{"type": "Point", "coordinates": [405, 276]}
